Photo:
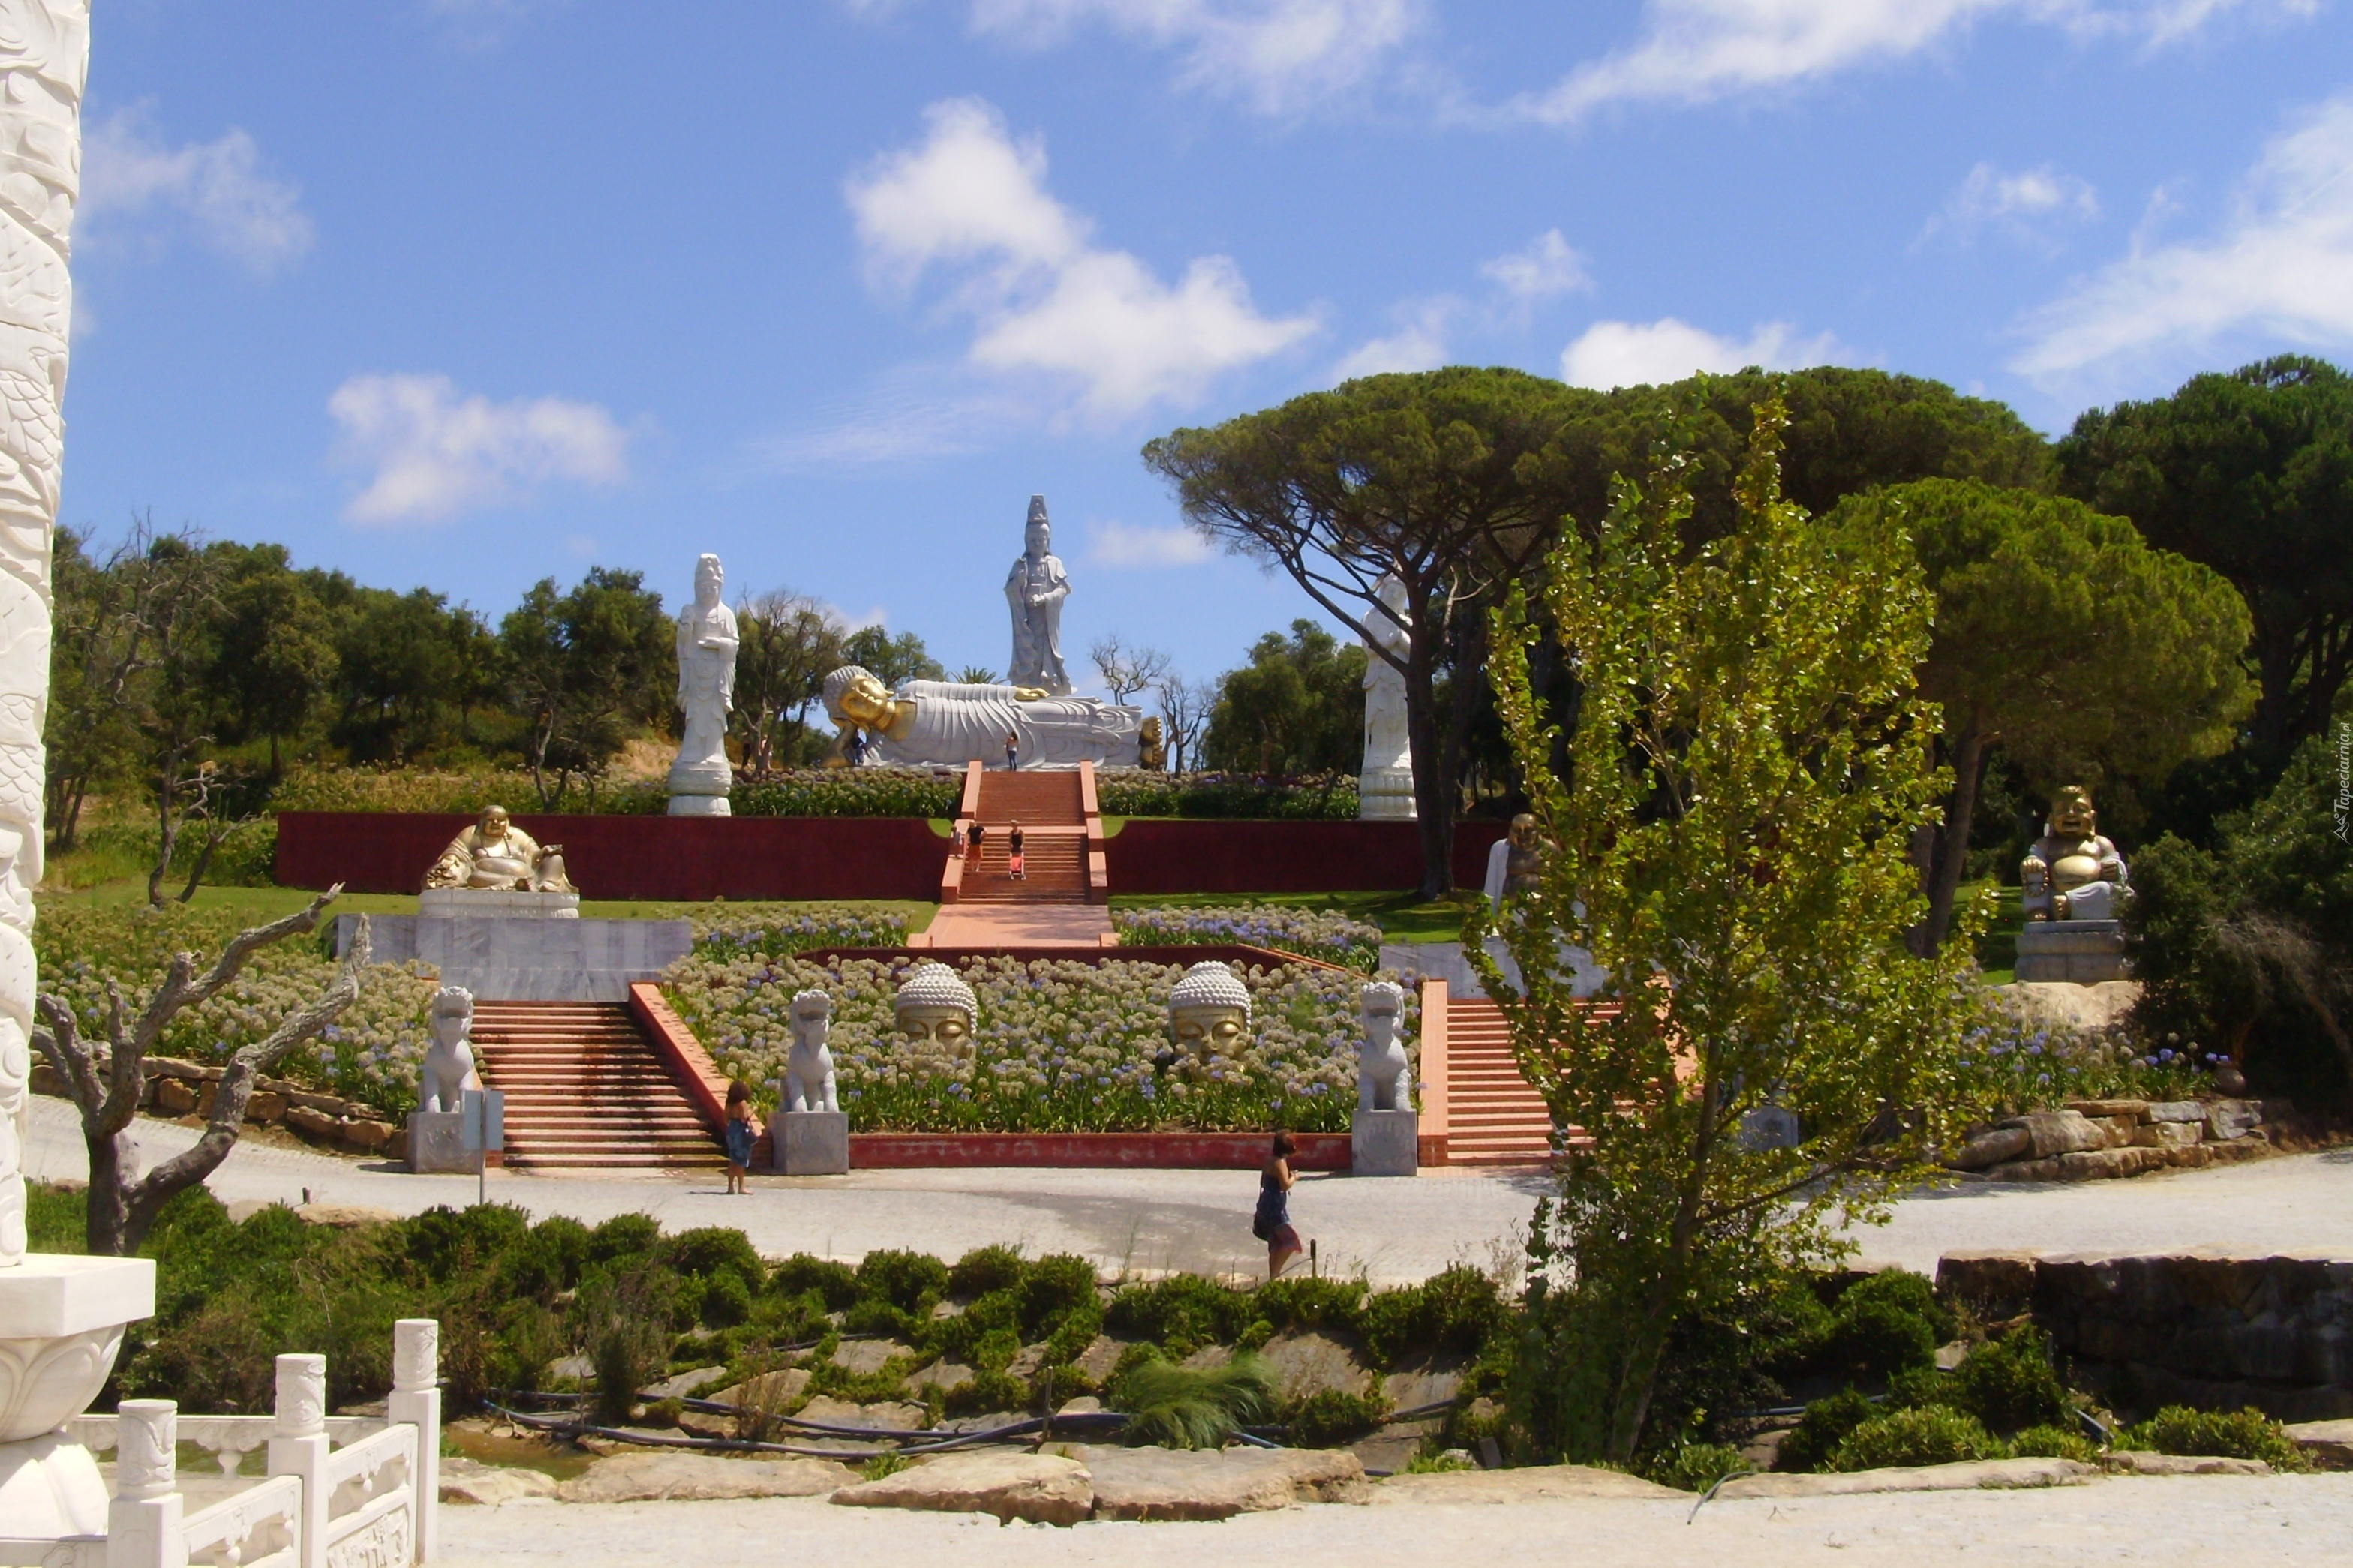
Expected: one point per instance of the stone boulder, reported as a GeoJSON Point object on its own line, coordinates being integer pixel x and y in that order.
{"type": "Point", "coordinates": [865, 1356]}
{"type": "Point", "coordinates": [1996, 1146]}
{"type": "Point", "coordinates": [2056, 1133]}
{"type": "Point", "coordinates": [1971, 1476]}
{"type": "Point", "coordinates": [1039, 1488]}
{"type": "Point", "coordinates": [2140, 1462]}
{"type": "Point", "coordinates": [702, 1477]}
{"type": "Point", "coordinates": [1310, 1363]}
{"type": "Point", "coordinates": [1174, 1484]}
{"type": "Point", "coordinates": [2327, 1444]}
{"type": "Point", "coordinates": [1529, 1485]}
{"type": "Point", "coordinates": [465, 1482]}
{"type": "Point", "coordinates": [886, 1416]}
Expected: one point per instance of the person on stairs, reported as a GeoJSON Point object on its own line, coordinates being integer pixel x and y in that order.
{"type": "Point", "coordinates": [742, 1133]}
{"type": "Point", "coordinates": [1016, 867]}
{"type": "Point", "coordinates": [973, 844]}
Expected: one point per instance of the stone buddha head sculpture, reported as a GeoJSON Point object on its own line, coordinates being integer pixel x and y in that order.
{"type": "Point", "coordinates": [935, 1007]}
{"type": "Point", "coordinates": [1209, 1012]}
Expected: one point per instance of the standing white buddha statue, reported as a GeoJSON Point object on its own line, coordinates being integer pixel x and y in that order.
{"type": "Point", "coordinates": [707, 641]}
{"type": "Point", "coordinates": [1035, 589]}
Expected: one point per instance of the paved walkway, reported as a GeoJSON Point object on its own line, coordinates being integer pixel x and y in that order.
{"type": "Point", "coordinates": [1392, 1230]}
{"type": "Point", "coordinates": [2208, 1520]}
{"type": "Point", "coordinates": [1018, 925]}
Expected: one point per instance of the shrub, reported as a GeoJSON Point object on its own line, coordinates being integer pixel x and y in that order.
{"type": "Point", "coordinates": [1055, 1287]}
{"type": "Point", "coordinates": [1886, 1323]}
{"type": "Point", "coordinates": [1309, 1303]}
{"type": "Point", "coordinates": [711, 1251]}
{"type": "Point", "coordinates": [1181, 1313]}
{"type": "Point", "coordinates": [2009, 1383]}
{"type": "Point", "coordinates": [836, 1284]}
{"type": "Point", "coordinates": [1452, 1313]}
{"type": "Point", "coordinates": [2055, 1443]}
{"type": "Point", "coordinates": [1696, 1466]}
{"type": "Point", "coordinates": [1821, 1429]}
{"type": "Point", "coordinates": [2246, 1434]}
{"type": "Point", "coordinates": [1192, 1407]}
{"type": "Point", "coordinates": [1926, 1435]}
{"type": "Point", "coordinates": [910, 1281]}
{"type": "Point", "coordinates": [848, 792]}
{"type": "Point", "coordinates": [1331, 1416]}
{"type": "Point", "coordinates": [623, 1236]}
{"type": "Point", "coordinates": [985, 1269]}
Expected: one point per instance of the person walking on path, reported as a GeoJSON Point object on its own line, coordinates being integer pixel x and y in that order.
{"type": "Point", "coordinates": [1015, 866]}
{"type": "Point", "coordinates": [742, 1133]}
{"type": "Point", "coordinates": [1012, 751]}
{"type": "Point", "coordinates": [1272, 1222]}
{"type": "Point", "coordinates": [973, 843]}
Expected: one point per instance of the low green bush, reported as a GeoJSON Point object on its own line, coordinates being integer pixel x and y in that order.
{"type": "Point", "coordinates": [910, 1281]}
{"type": "Point", "coordinates": [1332, 1416]}
{"type": "Point", "coordinates": [2009, 1385]}
{"type": "Point", "coordinates": [2055, 1443]}
{"type": "Point", "coordinates": [1821, 1429]}
{"type": "Point", "coordinates": [1696, 1466]}
{"type": "Point", "coordinates": [2246, 1434]}
{"type": "Point", "coordinates": [835, 1284]}
{"type": "Point", "coordinates": [1926, 1435]}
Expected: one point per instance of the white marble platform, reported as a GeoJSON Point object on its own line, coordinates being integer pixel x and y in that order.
{"type": "Point", "coordinates": [481, 903]}
{"type": "Point", "coordinates": [529, 958]}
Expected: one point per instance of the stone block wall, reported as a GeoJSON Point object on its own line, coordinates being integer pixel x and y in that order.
{"type": "Point", "coordinates": [2091, 1139]}
{"type": "Point", "coordinates": [2215, 1332]}
{"type": "Point", "coordinates": [186, 1090]}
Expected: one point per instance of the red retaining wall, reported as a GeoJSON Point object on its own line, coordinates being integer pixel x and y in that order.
{"type": "Point", "coordinates": [698, 858]}
{"type": "Point", "coordinates": [684, 858]}
{"type": "Point", "coordinates": [1157, 1151]}
{"type": "Point", "coordinates": [1165, 855]}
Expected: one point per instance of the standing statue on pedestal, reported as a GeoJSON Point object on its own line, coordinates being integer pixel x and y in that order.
{"type": "Point", "coordinates": [808, 1069]}
{"type": "Point", "coordinates": [699, 778]}
{"type": "Point", "coordinates": [1385, 788]}
{"type": "Point", "coordinates": [1035, 589]}
{"type": "Point", "coordinates": [448, 1068]}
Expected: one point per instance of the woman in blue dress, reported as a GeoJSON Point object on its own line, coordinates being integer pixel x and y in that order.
{"type": "Point", "coordinates": [1272, 1222]}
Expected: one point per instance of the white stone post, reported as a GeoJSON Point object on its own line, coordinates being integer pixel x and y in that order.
{"type": "Point", "coordinates": [60, 1317]}
{"type": "Point", "coordinates": [144, 1524]}
{"type": "Point", "coordinates": [416, 1398]}
{"type": "Point", "coordinates": [300, 1447]}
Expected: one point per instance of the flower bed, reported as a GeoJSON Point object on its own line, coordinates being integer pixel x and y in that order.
{"type": "Point", "coordinates": [1310, 934]}
{"type": "Point", "coordinates": [370, 1054]}
{"type": "Point", "coordinates": [1062, 1046]}
{"type": "Point", "coordinates": [780, 931]}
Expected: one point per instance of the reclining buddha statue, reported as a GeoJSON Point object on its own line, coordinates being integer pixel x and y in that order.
{"type": "Point", "coordinates": [949, 723]}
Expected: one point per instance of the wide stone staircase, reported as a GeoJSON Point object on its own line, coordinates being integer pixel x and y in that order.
{"type": "Point", "coordinates": [584, 1089]}
{"type": "Point", "coordinates": [1050, 808]}
{"type": "Point", "coordinates": [1495, 1115]}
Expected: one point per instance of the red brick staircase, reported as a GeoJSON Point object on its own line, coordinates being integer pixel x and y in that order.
{"type": "Point", "coordinates": [1494, 1116]}
{"type": "Point", "coordinates": [1052, 814]}
{"type": "Point", "coordinates": [584, 1089]}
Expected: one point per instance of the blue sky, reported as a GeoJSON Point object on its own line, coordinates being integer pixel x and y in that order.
{"type": "Point", "coordinates": [467, 292]}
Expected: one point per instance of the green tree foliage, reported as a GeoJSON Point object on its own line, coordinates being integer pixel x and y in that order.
{"type": "Point", "coordinates": [2246, 950]}
{"type": "Point", "coordinates": [1297, 707]}
{"type": "Point", "coordinates": [1748, 761]}
{"type": "Point", "coordinates": [274, 652]}
{"type": "Point", "coordinates": [2063, 640]}
{"type": "Point", "coordinates": [890, 659]}
{"type": "Point", "coordinates": [790, 644]}
{"type": "Point", "coordinates": [2252, 474]}
{"type": "Point", "coordinates": [1452, 481]}
{"type": "Point", "coordinates": [586, 667]}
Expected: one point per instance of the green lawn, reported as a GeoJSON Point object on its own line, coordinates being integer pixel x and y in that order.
{"type": "Point", "coordinates": [1997, 948]}
{"type": "Point", "coordinates": [1402, 917]}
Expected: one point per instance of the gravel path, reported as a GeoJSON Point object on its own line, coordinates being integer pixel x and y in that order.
{"type": "Point", "coordinates": [1395, 1230]}
{"type": "Point", "coordinates": [2207, 1521]}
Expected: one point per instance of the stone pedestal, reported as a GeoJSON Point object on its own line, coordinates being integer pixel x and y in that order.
{"type": "Point", "coordinates": [2086, 953]}
{"type": "Point", "coordinates": [61, 1321]}
{"type": "Point", "coordinates": [810, 1142]}
{"type": "Point", "coordinates": [480, 903]}
{"type": "Point", "coordinates": [1385, 1144]}
{"type": "Point", "coordinates": [534, 957]}
{"type": "Point", "coordinates": [436, 1141]}
{"type": "Point", "coordinates": [700, 806]}
{"type": "Point", "coordinates": [1386, 794]}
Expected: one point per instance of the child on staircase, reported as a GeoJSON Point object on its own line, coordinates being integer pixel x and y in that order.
{"type": "Point", "coordinates": [1015, 866]}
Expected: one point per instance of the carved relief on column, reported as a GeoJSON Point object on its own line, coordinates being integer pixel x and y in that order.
{"type": "Point", "coordinates": [146, 1448]}
{"type": "Point", "coordinates": [302, 1407]}
{"type": "Point", "coordinates": [44, 57]}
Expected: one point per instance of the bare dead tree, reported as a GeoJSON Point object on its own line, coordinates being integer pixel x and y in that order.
{"type": "Point", "coordinates": [1127, 670]}
{"type": "Point", "coordinates": [107, 1081]}
{"type": "Point", "coordinates": [1184, 708]}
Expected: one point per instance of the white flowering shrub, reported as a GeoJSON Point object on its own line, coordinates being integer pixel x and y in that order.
{"type": "Point", "coordinates": [370, 1054]}
{"type": "Point", "coordinates": [1060, 1046]}
{"type": "Point", "coordinates": [780, 929]}
{"type": "Point", "coordinates": [1310, 934]}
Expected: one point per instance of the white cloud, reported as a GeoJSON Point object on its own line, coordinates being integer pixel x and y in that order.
{"type": "Point", "coordinates": [1420, 343]}
{"type": "Point", "coordinates": [1044, 298]}
{"type": "Point", "coordinates": [1632, 353]}
{"type": "Point", "coordinates": [436, 454]}
{"type": "Point", "coordinates": [1548, 267]}
{"type": "Point", "coordinates": [2018, 203]}
{"type": "Point", "coordinates": [2281, 267]}
{"type": "Point", "coordinates": [1281, 55]}
{"type": "Point", "coordinates": [220, 189]}
{"type": "Point", "coordinates": [1697, 51]}
{"type": "Point", "coordinates": [1130, 544]}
